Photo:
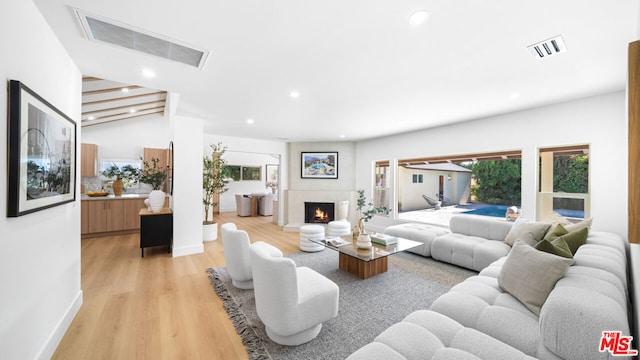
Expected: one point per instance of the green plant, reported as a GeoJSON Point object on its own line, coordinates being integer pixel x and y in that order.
{"type": "Point", "coordinates": [366, 209]}
{"type": "Point", "coordinates": [127, 173]}
{"type": "Point", "coordinates": [153, 175]}
{"type": "Point", "coordinates": [213, 178]}
{"type": "Point", "coordinates": [497, 181]}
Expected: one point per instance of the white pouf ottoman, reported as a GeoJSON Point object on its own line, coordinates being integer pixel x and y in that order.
{"type": "Point", "coordinates": [339, 228]}
{"type": "Point", "coordinates": [417, 232]}
{"type": "Point", "coordinates": [311, 232]}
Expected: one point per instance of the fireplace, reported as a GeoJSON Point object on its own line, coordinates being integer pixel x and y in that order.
{"type": "Point", "coordinates": [318, 212]}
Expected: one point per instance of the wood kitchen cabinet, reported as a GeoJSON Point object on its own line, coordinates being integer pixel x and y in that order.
{"type": "Point", "coordinates": [131, 212]}
{"type": "Point", "coordinates": [105, 215]}
{"type": "Point", "coordinates": [110, 216]}
{"type": "Point", "coordinates": [89, 160]}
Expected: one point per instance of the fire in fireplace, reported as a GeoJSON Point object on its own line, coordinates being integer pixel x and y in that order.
{"type": "Point", "coordinates": [318, 213]}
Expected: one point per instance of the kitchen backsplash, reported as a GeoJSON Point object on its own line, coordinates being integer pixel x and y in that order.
{"type": "Point", "coordinates": [92, 183]}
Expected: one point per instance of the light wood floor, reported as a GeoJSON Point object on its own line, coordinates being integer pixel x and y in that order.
{"type": "Point", "coordinates": [157, 307]}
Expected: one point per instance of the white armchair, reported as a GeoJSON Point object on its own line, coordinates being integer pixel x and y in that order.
{"type": "Point", "coordinates": [243, 205]}
{"type": "Point", "coordinates": [291, 302]}
{"type": "Point", "coordinates": [236, 255]}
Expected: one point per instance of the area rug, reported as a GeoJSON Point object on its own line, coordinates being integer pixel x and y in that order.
{"type": "Point", "coordinates": [366, 307]}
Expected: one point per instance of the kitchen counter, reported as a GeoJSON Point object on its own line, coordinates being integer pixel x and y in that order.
{"type": "Point", "coordinates": [113, 197]}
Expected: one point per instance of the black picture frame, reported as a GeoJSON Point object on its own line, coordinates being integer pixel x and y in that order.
{"type": "Point", "coordinates": [319, 165]}
{"type": "Point", "coordinates": [41, 150]}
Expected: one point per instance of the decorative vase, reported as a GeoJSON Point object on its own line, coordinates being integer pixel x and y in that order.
{"type": "Point", "coordinates": [118, 186]}
{"type": "Point", "coordinates": [356, 232]}
{"type": "Point", "coordinates": [364, 241]}
{"type": "Point", "coordinates": [361, 226]}
{"type": "Point", "coordinates": [209, 231]}
{"type": "Point", "coordinates": [156, 200]}
{"type": "Point", "coordinates": [342, 210]}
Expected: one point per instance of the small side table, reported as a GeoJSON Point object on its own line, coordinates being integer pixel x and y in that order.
{"type": "Point", "coordinates": [156, 228]}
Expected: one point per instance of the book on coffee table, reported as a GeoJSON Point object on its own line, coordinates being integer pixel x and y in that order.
{"type": "Point", "coordinates": [383, 239]}
{"type": "Point", "coordinates": [336, 242]}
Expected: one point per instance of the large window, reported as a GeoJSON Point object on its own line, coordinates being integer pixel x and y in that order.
{"type": "Point", "coordinates": [563, 185]}
{"type": "Point", "coordinates": [381, 193]}
{"type": "Point", "coordinates": [107, 181]}
{"type": "Point", "coordinates": [480, 183]}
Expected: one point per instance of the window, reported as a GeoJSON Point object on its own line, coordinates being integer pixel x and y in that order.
{"type": "Point", "coordinates": [381, 191]}
{"type": "Point", "coordinates": [417, 178]}
{"type": "Point", "coordinates": [563, 184]}
{"type": "Point", "coordinates": [105, 181]}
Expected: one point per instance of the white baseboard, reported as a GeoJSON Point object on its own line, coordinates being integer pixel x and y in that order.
{"type": "Point", "coordinates": [54, 340]}
{"type": "Point", "coordinates": [634, 256]}
{"type": "Point", "coordinates": [188, 250]}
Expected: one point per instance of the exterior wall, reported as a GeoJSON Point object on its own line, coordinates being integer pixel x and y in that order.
{"type": "Point", "coordinates": [40, 257]}
{"type": "Point", "coordinates": [599, 121]}
{"type": "Point", "coordinates": [457, 189]}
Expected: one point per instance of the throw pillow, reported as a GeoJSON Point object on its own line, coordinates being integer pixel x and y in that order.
{"type": "Point", "coordinates": [579, 225]}
{"type": "Point", "coordinates": [557, 247]}
{"type": "Point", "coordinates": [555, 232]}
{"type": "Point", "coordinates": [575, 239]}
{"type": "Point", "coordinates": [529, 232]}
{"type": "Point", "coordinates": [554, 219]}
{"type": "Point", "coordinates": [529, 275]}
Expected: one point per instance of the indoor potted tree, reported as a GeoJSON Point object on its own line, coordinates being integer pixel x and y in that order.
{"type": "Point", "coordinates": [213, 184]}
{"type": "Point", "coordinates": [154, 175]}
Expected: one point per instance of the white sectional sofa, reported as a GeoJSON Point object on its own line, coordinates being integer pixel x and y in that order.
{"type": "Point", "coordinates": [478, 319]}
{"type": "Point", "coordinates": [472, 241]}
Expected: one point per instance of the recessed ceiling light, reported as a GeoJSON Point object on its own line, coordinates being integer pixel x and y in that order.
{"type": "Point", "coordinates": [148, 73]}
{"type": "Point", "coordinates": [91, 118]}
{"type": "Point", "coordinates": [125, 90]}
{"type": "Point", "coordinates": [132, 111]}
{"type": "Point", "coordinates": [294, 94]}
{"type": "Point", "coordinates": [250, 121]}
{"type": "Point", "coordinates": [342, 136]}
{"type": "Point", "coordinates": [418, 17]}
{"type": "Point", "coordinates": [514, 95]}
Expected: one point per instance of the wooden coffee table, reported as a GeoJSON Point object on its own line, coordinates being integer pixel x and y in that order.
{"type": "Point", "coordinates": [366, 263]}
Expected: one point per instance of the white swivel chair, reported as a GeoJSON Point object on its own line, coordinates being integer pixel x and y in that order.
{"type": "Point", "coordinates": [243, 205]}
{"type": "Point", "coordinates": [236, 255]}
{"type": "Point", "coordinates": [291, 301]}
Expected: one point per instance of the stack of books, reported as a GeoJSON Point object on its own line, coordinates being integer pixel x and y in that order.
{"type": "Point", "coordinates": [335, 241]}
{"type": "Point", "coordinates": [383, 239]}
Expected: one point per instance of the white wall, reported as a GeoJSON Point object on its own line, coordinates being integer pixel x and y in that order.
{"type": "Point", "coordinates": [187, 188]}
{"type": "Point", "coordinates": [40, 257]}
{"type": "Point", "coordinates": [127, 139]}
{"type": "Point", "coordinates": [599, 121]}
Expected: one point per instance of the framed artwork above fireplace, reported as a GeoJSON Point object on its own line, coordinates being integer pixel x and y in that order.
{"type": "Point", "coordinates": [319, 165]}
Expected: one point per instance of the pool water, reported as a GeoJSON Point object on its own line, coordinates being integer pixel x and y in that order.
{"type": "Point", "coordinates": [500, 210]}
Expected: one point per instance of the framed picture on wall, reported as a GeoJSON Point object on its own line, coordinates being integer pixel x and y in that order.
{"type": "Point", "coordinates": [319, 165]}
{"type": "Point", "coordinates": [42, 153]}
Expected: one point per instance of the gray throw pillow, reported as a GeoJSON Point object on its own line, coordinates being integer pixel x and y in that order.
{"type": "Point", "coordinates": [529, 275]}
{"type": "Point", "coordinates": [529, 232]}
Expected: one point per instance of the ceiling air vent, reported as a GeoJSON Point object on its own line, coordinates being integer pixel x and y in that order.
{"type": "Point", "coordinates": [98, 28]}
{"type": "Point", "coordinates": [547, 48]}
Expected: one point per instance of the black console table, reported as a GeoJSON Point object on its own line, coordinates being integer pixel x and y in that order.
{"type": "Point", "coordinates": [156, 228]}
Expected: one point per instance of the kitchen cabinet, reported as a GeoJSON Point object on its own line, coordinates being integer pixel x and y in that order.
{"type": "Point", "coordinates": [89, 160]}
{"type": "Point", "coordinates": [84, 218]}
{"type": "Point", "coordinates": [131, 212]}
{"type": "Point", "coordinates": [105, 215]}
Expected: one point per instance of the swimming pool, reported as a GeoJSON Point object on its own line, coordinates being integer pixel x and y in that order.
{"type": "Point", "coordinates": [500, 210]}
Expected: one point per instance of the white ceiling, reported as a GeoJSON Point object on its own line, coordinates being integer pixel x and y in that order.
{"type": "Point", "coordinates": [361, 69]}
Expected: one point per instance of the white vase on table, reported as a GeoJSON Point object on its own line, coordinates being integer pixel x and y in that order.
{"type": "Point", "coordinates": [156, 200]}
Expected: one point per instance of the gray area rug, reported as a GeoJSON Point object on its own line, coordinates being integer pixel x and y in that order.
{"type": "Point", "coordinates": [366, 307]}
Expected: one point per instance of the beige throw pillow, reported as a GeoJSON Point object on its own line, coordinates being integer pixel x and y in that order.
{"type": "Point", "coordinates": [579, 225]}
{"type": "Point", "coordinates": [529, 275]}
{"type": "Point", "coordinates": [529, 232]}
